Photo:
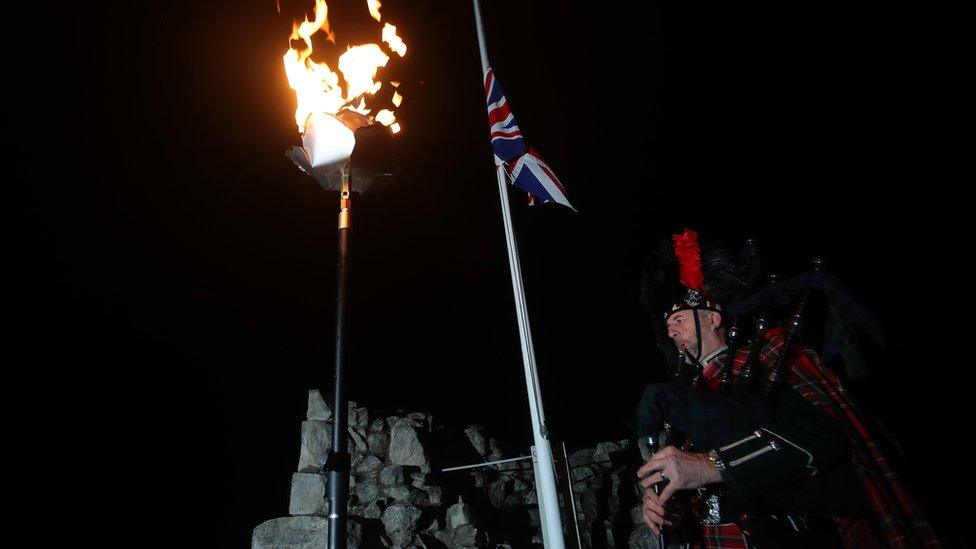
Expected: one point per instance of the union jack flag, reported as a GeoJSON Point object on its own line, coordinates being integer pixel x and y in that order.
{"type": "Point", "coordinates": [506, 137]}
{"type": "Point", "coordinates": [531, 174]}
{"type": "Point", "coordinates": [528, 171]}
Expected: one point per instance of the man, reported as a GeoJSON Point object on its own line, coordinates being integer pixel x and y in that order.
{"type": "Point", "coordinates": [795, 466]}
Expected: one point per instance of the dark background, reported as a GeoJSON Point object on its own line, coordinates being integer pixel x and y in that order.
{"type": "Point", "coordinates": [173, 277]}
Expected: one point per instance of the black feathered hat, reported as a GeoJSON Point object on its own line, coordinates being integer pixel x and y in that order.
{"type": "Point", "coordinates": [680, 274]}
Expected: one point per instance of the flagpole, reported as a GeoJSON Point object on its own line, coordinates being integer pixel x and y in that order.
{"type": "Point", "coordinates": [552, 526]}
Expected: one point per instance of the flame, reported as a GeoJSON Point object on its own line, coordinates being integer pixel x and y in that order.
{"type": "Point", "coordinates": [359, 65]}
{"type": "Point", "coordinates": [317, 87]}
{"type": "Point", "coordinates": [360, 107]}
{"type": "Point", "coordinates": [307, 28]}
{"type": "Point", "coordinates": [374, 8]}
{"type": "Point", "coordinates": [395, 42]}
{"type": "Point", "coordinates": [385, 117]}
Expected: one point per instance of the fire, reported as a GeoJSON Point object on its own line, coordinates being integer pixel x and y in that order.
{"type": "Point", "coordinates": [395, 42]}
{"type": "Point", "coordinates": [374, 8]}
{"type": "Point", "coordinates": [359, 65]}
{"type": "Point", "coordinates": [320, 89]}
{"type": "Point", "coordinates": [385, 117]}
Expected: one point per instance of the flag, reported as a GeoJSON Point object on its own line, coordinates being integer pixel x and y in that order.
{"type": "Point", "coordinates": [525, 167]}
{"type": "Point", "coordinates": [531, 174]}
{"type": "Point", "coordinates": [506, 138]}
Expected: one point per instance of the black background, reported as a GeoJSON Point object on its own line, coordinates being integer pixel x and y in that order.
{"type": "Point", "coordinates": [173, 274]}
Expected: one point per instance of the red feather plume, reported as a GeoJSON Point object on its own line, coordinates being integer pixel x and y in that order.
{"type": "Point", "coordinates": [689, 260]}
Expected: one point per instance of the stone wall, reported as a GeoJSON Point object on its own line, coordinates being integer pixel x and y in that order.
{"type": "Point", "coordinates": [401, 498]}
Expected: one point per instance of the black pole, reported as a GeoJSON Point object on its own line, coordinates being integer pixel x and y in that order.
{"type": "Point", "coordinates": [338, 462]}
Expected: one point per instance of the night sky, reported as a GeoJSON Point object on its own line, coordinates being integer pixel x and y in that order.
{"type": "Point", "coordinates": [173, 274]}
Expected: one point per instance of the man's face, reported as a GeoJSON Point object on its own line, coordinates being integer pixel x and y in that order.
{"type": "Point", "coordinates": [681, 330]}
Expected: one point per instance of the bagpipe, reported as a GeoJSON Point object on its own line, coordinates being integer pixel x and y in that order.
{"type": "Point", "coordinates": [751, 314]}
{"type": "Point", "coordinates": [763, 302]}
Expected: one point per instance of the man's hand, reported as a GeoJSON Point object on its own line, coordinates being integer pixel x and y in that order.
{"type": "Point", "coordinates": [654, 513]}
{"type": "Point", "coordinates": [683, 470]}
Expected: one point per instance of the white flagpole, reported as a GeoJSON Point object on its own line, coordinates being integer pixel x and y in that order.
{"type": "Point", "coordinates": [552, 525]}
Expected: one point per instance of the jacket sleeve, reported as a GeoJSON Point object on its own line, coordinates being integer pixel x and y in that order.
{"type": "Point", "coordinates": [799, 441]}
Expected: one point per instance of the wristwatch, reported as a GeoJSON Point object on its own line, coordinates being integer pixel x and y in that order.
{"type": "Point", "coordinates": [720, 465]}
